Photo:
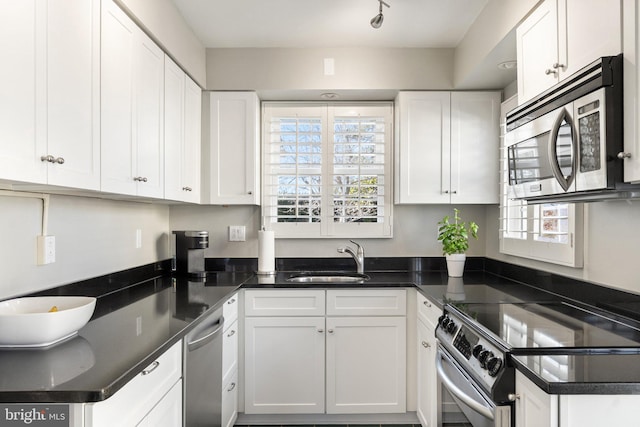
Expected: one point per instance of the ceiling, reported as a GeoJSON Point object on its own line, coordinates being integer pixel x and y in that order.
{"type": "Point", "coordinates": [329, 23]}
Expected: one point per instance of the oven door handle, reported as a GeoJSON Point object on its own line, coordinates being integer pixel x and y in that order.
{"type": "Point", "coordinates": [455, 390]}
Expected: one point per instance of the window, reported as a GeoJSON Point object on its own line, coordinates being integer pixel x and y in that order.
{"type": "Point", "coordinates": [545, 232]}
{"type": "Point", "coordinates": [326, 169]}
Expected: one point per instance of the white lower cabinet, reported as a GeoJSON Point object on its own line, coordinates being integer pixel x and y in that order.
{"type": "Point", "coordinates": [152, 398]}
{"type": "Point", "coordinates": [229, 405]}
{"type": "Point", "coordinates": [427, 399]}
{"type": "Point", "coordinates": [366, 365]}
{"type": "Point", "coordinates": [294, 363]}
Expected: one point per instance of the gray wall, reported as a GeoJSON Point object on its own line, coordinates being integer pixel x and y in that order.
{"type": "Point", "coordinates": [93, 237]}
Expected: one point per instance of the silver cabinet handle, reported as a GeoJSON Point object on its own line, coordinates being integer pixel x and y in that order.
{"type": "Point", "coordinates": [320, 331]}
{"type": "Point", "coordinates": [445, 192]}
{"type": "Point", "coordinates": [330, 331]}
{"type": "Point", "coordinates": [231, 387]}
{"type": "Point", "coordinates": [558, 65]}
{"type": "Point", "coordinates": [187, 189]}
{"type": "Point", "coordinates": [513, 397]}
{"type": "Point", "coordinates": [550, 71]}
{"type": "Point", "coordinates": [426, 344]}
{"type": "Point", "coordinates": [623, 155]}
{"type": "Point", "coordinates": [231, 333]}
{"type": "Point", "coordinates": [49, 158]}
{"type": "Point", "coordinates": [427, 303]}
{"type": "Point", "coordinates": [231, 301]}
{"type": "Point", "coordinates": [140, 178]}
{"type": "Point", "coordinates": [151, 368]}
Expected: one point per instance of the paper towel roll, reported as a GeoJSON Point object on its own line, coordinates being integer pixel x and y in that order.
{"type": "Point", "coordinates": [266, 252]}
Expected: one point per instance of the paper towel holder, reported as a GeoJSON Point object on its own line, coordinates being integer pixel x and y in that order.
{"type": "Point", "coordinates": [266, 253]}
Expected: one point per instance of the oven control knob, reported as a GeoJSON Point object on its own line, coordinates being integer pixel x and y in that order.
{"type": "Point", "coordinates": [493, 366]}
{"type": "Point", "coordinates": [477, 350]}
{"type": "Point", "coordinates": [443, 320]}
{"type": "Point", "coordinates": [484, 357]}
{"type": "Point", "coordinates": [451, 327]}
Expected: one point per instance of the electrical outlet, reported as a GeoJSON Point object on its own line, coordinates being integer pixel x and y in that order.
{"type": "Point", "coordinates": [46, 250]}
{"type": "Point", "coordinates": [237, 233]}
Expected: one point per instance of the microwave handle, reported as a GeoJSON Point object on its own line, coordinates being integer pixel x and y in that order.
{"type": "Point", "coordinates": [553, 142]}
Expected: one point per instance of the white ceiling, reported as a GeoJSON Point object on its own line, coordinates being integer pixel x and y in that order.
{"type": "Point", "coordinates": [329, 23]}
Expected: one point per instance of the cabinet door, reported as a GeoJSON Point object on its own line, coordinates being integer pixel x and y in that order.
{"type": "Point", "coordinates": [182, 121]}
{"type": "Point", "coordinates": [233, 144]}
{"type": "Point", "coordinates": [192, 141]}
{"type": "Point", "coordinates": [427, 399]}
{"type": "Point", "coordinates": [366, 365]}
{"type": "Point", "coordinates": [422, 147]}
{"type": "Point", "coordinates": [588, 30]}
{"type": "Point", "coordinates": [174, 144]}
{"type": "Point", "coordinates": [148, 116]}
{"type": "Point", "coordinates": [132, 107]}
{"type": "Point", "coordinates": [22, 84]}
{"type": "Point", "coordinates": [73, 89]}
{"type": "Point", "coordinates": [168, 412]}
{"type": "Point", "coordinates": [230, 402]}
{"type": "Point", "coordinates": [534, 407]}
{"type": "Point", "coordinates": [117, 149]}
{"type": "Point", "coordinates": [475, 147]}
{"type": "Point", "coordinates": [631, 72]}
{"type": "Point", "coordinates": [284, 365]}
{"type": "Point", "coordinates": [537, 51]}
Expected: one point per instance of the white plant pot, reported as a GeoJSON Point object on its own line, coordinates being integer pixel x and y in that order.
{"type": "Point", "coordinates": [455, 264]}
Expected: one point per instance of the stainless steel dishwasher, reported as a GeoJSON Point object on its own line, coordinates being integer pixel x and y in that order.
{"type": "Point", "coordinates": [203, 373]}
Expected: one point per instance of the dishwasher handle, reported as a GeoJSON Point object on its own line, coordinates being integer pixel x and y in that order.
{"type": "Point", "coordinates": [215, 329]}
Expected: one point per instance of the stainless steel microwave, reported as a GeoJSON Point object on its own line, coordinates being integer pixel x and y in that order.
{"type": "Point", "coordinates": [565, 144]}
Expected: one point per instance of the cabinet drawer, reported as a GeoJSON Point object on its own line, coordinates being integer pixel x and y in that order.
{"type": "Point", "coordinates": [229, 351]}
{"type": "Point", "coordinates": [370, 302]}
{"type": "Point", "coordinates": [230, 310]}
{"type": "Point", "coordinates": [230, 401]}
{"type": "Point", "coordinates": [134, 401]}
{"type": "Point", "coordinates": [428, 312]}
{"type": "Point", "coordinates": [284, 303]}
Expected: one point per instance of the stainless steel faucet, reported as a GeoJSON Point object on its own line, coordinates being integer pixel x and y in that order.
{"type": "Point", "coordinates": [357, 255]}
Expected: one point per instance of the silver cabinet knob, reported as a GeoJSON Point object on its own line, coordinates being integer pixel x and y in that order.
{"type": "Point", "coordinates": [187, 189]}
{"type": "Point", "coordinates": [48, 158]}
{"type": "Point", "coordinates": [550, 71]}
{"type": "Point", "coordinates": [249, 192]}
{"type": "Point", "coordinates": [513, 397]}
{"type": "Point", "coordinates": [445, 192]}
{"type": "Point", "coordinates": [59, 160]}
{"type": "Point", "coordinates": [320, 331]}
{"type": "Point", "coordinates": [231, 301]}
{"type": "Point", "coordinates": [426, 344]}
{"type": "Point", "coordinates": [623, 155]}
{"type": "Point", "coordinates": [427, 303]}
{"type": "Point", "coordinates": [557, 65]}
{"type": "Point", "coordinates": [140, 178]}
{"type": "Point", "coordinates": [454, 192]}
{"type": "Point", "coordinates": [330, 331]}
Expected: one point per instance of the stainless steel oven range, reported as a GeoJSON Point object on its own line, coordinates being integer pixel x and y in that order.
{"type": "Point", "coordinates": [476, 341]}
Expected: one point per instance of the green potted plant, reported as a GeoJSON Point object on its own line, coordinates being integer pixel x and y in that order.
{"type": "Point", "coordinates": [455, 241]}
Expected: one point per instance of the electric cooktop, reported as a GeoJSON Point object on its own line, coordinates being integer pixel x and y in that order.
{"type": "Point", "coordinates": [551, 325]}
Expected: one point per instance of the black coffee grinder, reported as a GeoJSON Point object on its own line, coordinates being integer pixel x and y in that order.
{"type": "Point", "coordinates": [190, 246]}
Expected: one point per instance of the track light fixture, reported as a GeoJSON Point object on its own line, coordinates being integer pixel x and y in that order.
{"type": "Point", "coordinates": [376, 21]}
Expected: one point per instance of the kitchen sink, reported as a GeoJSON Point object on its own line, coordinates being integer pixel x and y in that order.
{"type": "Point", "coordinates": [328, 278]}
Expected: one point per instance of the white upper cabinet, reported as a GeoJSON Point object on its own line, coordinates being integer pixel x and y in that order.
{"type": "Point", "coordinates": [182, 122]}
{"type": "Point", "coordinates": [562, 36]}
{"type": "Point", "coordinates": [231, 149]}
{"type": "Point", "coordinates": [132, 108]}
{"type": "Point", "coordinates": [631, 90]}
{"type": "Point", "coordinates": [49, 125]}
{"type": "Point", "coordinates": [447, 147]}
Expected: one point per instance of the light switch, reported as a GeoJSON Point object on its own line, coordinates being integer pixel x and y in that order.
{"type": "Point", "coordinates": [237, 233]}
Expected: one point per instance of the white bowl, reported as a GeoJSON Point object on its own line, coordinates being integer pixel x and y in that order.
{"type": "Point", "coordinates": [28, 322]}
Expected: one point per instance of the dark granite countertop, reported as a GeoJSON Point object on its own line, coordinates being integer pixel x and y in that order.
{"type": "Point", "coordinates": [582, 373]}
{"type": "Point", "coordinates": [111, 349]}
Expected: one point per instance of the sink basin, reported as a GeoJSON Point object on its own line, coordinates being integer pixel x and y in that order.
{"type": "Point", "coordinates": [43, 321]}
{"type": "Point", "coordinates": [329, 278]}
